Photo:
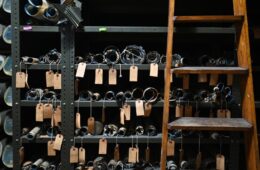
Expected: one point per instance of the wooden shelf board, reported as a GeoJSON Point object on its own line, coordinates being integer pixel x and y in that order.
{"type": "Point", "coordinates": [210, 70]}
{"type": "Point", "coordinates": [208, 19]}
{"type": "Point", "coordinates": [210, 124]}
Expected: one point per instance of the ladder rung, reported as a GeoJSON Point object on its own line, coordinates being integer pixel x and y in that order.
{"type": "Point", "coordinates": [210, 70]}
{"type": "Point", "coordinates": [210, 124]}
{"type": "Point", "coordinates": [208, 18]}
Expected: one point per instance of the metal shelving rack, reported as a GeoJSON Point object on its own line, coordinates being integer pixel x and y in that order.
{"type": "Point", "coordinates": [67, 67]}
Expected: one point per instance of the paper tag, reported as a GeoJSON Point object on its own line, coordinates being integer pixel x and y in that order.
{"type": "Point", "coordinates": [122, 116]}
{"type": "Point", "coordinates": [91, 125]}
{"type": "Point", "coordinates": [228, 113]}
{"type": "Point", "coordinates": [127, 109]}
{"type": "Point", "coordinates": [202, 78]}
{"type": "Point", "coordinates": [147, 109]}
{"type": "Point", "coordinates": [186, 81]}
{"type": "Point", "coordinates": [21, 154]}
{"type": "Point", "coordinates": [220, 162]}
{"type": "Point", "coordinates": [179, 110]}
{"type": "Point", "coordinates": [81, 70]}
{"type": "Point", "coordinates": [116, 153]}
{"type": "Point", "coordinates": [230, 78]}
{"type": "Point", "coordinates": [154, 70]}
{"type": "Point", "coordinates": [57, 81]}
{"type": "Point", "coordinates": [137, 154]}
{"type": "Point", "coordinates": [147, 154]}
{"type": "Point", "coordinates": [221, 113]}
{"type": "Point", "coordinates": [51, 151]}
{"type": "Point", "coordinates": [39, 112]}
{"type": "Point", "coordinates": [188, 110]}
{"type": "Point", "coordinates": [213, 79]}
{"type": "Point", "coordinates": [112, 76]}
{"type": "Point", "coordinates": [139, 105]}
{"type": "Point", "coordinates": [170, 147]}
{"type": "Point", "coordinates": [198, 161]}
{"type": "Point", "coordinates": [99, 76]}
{"type": "Point", "coordinates": [133, 75]}
{"type": "Point", "coordinates": [58, 142]}
{"type": "Point", "coordinates": [102, 150]}
{"type": "Point", "coordinates": [78, 124]}
{"type": "Point", "coordinates": [47, 111]}
{"type": "Point", "coordinates": [132, 155]}
{"type": "Point", "coordinates": [20, 80]}
{"type": "Point", "coordinates": [57, 116]}
{"type": "Point", "coordinates": [82, 156]}
{"type": "Point", "coordinates": [49, 75]}
{"type": "Point", "coordinates": [74, 155]}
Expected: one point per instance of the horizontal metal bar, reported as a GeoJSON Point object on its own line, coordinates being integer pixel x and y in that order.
{"type": "Point", "coordinates": [123, 66]}
{"type": "Point", "coordinates": [32, 28]}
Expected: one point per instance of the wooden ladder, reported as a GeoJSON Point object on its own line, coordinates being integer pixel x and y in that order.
{"type": "Point", "coordinates": [247, 124]}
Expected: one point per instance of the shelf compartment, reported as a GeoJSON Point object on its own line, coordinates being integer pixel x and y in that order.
{"type": "Point", "coordinates": [210, 70]}
{"type": "Point", "coordinates": [112, 103]}
{"type": "Point", "coordinates": [209, 19]}
{"type": "Point", "coordinates": [123, 66]}
{"type": "Point", "coordinates": [32, 28]}
{"type": "Point", "coordinates": [210, 124]}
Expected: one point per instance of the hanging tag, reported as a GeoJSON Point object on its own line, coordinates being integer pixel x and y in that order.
{"type": "Point", "coordinates": [82, 156]}
{"type": "Point", "coordinates": [57, 116]}
{"type": "Point", "coordinates": [74, 155]}
{"type": "Point", "coordinates": [20, 80]}
{"type": "Point", "coordinates": [21, 154]}
{"type": "Point", "coordinates": [116, 153]}
{"type": "Point", "coordinates": [122, 116]}
{"type": "Point", "coordinates": [213, 79]}
{"type": "Point", "coordinates": [147, 154]}
{"type": "Point", "coordinates": [132, 155]}
{"type": "Point", "coordinates": [58, 142]}
{"type": "Point", "coordinates": [221, 113]}
{"type": "Point", "coordinates": [170, 147]}
{"type": "Point", "coordinates": [220, 162]}
{"type": "Point", "coordinates": [179, 110]}
{"type": "Point", "coordinates": [39, 112]}
{"type": "Point", "coordinates": [127, 109]}
{"type": "Point", "coordinates": [147, 109]}
{"type": "Point", "coordinates": [228, 113]}
{"type": "Point", "coordinates": [137, 154]}
{"type": "Point", "coordinates": [112, 76]}
{"type": "Point", "coordinates": [102, 150]}
{"type": "Point", "coordinates": [133, 75]}
{"type": "Point", "coordinates": [81, 70]}
{"type": "Point", "coordinates": [186, 81]}
{"type": "Point", "coordinates": [57, 81]}
{"type": "Point", "coordinates": [198, 161]}
{"type": "Point", "coordinates": [49, 75]}
{"type": "Point", "coordinates": [230, 78]}
{"type": "Point", "coordinates": [99, 76]}
{"type": "Point", "coordinates": [188, 110]}
{"type": "Point", "coordinates": [78, 125]}
{"type": "Point", "coordinates": [154, 70]}
{"type": "Point", "coordinates": [47, 111]}
{"type": "Point", "coordinates": [202, 78]}
{"type": "Point", "coordinates": [91, 125]}
{"type": "Point", "coordinates": [139, 105]}
{"type": "Point", "coordinates": [51, 151]}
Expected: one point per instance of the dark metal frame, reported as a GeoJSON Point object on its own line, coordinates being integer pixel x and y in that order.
{"type": "Point", "coordinates": [67, 68]}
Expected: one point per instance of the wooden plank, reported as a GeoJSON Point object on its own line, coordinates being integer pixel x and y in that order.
{"type": "Point", "coordinates": [209, 19]}
{"type": "Point", "coordinates": [167, 84]}
{"type": "Point", "coordinates": [247, 91]}
{"type": "Point", "coordinates": [210, 70]}
{"type": "Point", "coordinates": [210, 124]}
